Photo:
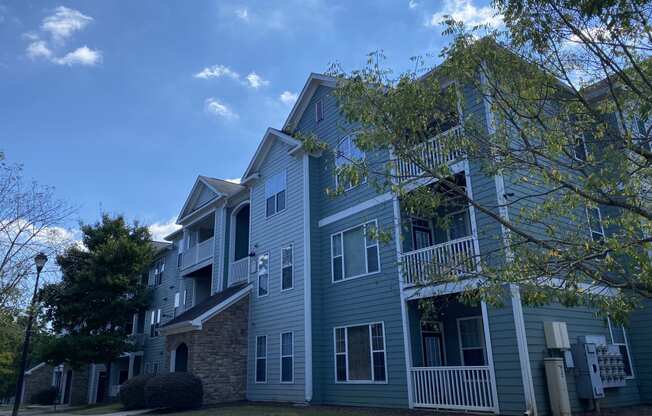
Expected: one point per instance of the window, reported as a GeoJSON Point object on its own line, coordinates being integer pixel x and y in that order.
{"type": "Point", "coordinates": [319, 111]}
{"type": "Point", "coordinates": [471, 339]}
{"type": "Point", "coordinates": [287, 279]}
{"type": "Point", "coordinates": [354, 252]}
{"type": "Point", "coordinates": [155, 321]}
{"type": "Point", "coordinates": [360, 354]}
{"type": "Point", "coordinates": [177, 302]}
{"type": "Point", "coordinates": [579, 148]}
{"type": "Point", "coordinates": [287, 357]}
{"type": "Point", "coordinates": [263, 275]}
{"type": "Point", "coordinates": [596, 229]}
{"type": "Point", "coordinates": [159, 268]}
{"type": "Point", "coordinates": [619, 338]}
{"type": "Point", "coordinates": [347, 153]}
{"type": "Point", "coordinates": [261, 359]}
{"type": "Point", "coordinates": [275, 194]}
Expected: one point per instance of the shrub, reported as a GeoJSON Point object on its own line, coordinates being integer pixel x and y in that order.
{"type": "Point", "coordinates": [174, 391]}
{"type": "Point", "coordinates": [132, 392]}
{"type": "Point", "coordinates": [46, 396]}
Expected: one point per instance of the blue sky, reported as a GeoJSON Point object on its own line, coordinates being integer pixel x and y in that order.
{"type": "Point", "coordinates": [120, 105]}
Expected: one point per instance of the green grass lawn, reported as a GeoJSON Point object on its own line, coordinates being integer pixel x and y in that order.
{"type": "Point", "coordinates": [288, 410]}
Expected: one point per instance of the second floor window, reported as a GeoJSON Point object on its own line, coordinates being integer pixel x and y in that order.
{"type": "Point", "coordinates": [154, 323]}
{"type": "Point", "coordinates": [287, 280]}
{"type": "Point", "coordinates": [157, 272]}
{"type": "Point", "coordinates": [263, 275]}
{"type": "Point", "coordinates": [346, 154]}
{"type": "Point", "coordinates": [596, 229]}
{"type": "Point", "coordinates": [275, 194]}
{"type": "Point", "coordinates": [354, 252]}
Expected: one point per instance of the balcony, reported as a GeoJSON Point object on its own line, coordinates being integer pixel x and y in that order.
{"type": "Point", "coordinates": [452, 258]}
{"type": "Point", "coordinates": [198, 253]}
{"type": "Point", "coordinates": [239, 271]}
{"type": "Point", "coordinates": [468, 388]}
{"type": "Point", "coordinates": [437, 151]}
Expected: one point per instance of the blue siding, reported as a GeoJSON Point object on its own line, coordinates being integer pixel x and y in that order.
{"type": "Point", "coordinates": [278, 312]}
{"type": "Point", "coordinates": [640, 338]}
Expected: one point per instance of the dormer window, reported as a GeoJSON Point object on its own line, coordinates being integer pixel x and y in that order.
{"type": "Point", "coordinates": [319, 111]}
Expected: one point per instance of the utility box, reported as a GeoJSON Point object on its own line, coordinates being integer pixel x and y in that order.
{"type": "Point", "coordinates": [556, 335]}
{"type": "Point", "coordinates": [557, 386]}
{"type": "Point", "coordinates": [589, 382]}
{"type": "Point", "coordinates": [612, 366]}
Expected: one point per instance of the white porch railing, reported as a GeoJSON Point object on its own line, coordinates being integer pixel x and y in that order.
{"type": "Point", "coordinates": [197, 253]}
{"type": "Point", "coordinates": [454, 388]}
{"type": "Point", "coordinates": [239, 271]}
{"type": "Point", "coordinates": [456, 257]}
{"type": "Point", "coordinates": [436, 151]}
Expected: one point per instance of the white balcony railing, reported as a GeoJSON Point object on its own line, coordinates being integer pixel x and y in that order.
{"type": "Point", "coordinates": [197, 253]}
{"type": "Point", "coordinates": [435, 152]}
{"type": "Point", "coordinates": [455, 257]}
{"type": "Point", "coordinates": [239, 271]}
{"type": "Point", "coordinates": [454, 388]}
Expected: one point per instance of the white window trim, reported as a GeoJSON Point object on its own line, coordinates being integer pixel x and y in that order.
{"type": "Point", "coordinates": [443, 341]}
{"type": "Point", "coordinates": [258, 275]}
{"type": "Point", "coordinates": [291, 247]}
{"type": "Point", "coordinates": [366, 263]}
{"type": "Point", "coordinates": [482, 338]}
{"type": "Point", "coordinates": [588, 220]}
{"type": "Point", "coordinates": [319, 102]}
{"type": "Point", "coordinates": [348, 162]}
{"type": "Point", "coordinates": [371, 353]}
{"type": "Point", "coordinates": [626, 345]}
{"type": "Point", "coordinates": [285, 172]}
{"type": "Point", "coordinates": [256, 360]}
{"type": "Point", "coordinates": [280, 375]}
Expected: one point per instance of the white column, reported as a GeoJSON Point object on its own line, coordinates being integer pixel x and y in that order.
{"type": "Point", "coordinates": [131, 366]}
{"type": "Point", "coordinates": [490, 355]}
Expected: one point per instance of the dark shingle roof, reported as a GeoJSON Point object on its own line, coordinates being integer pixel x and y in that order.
{"type": "Point", "coordinates": [205, 305]}
{"type": "Point", "coordinates": [225, 187]}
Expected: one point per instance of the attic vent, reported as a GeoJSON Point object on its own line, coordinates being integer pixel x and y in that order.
{"type": "Point", "coordinates": [319, 111]}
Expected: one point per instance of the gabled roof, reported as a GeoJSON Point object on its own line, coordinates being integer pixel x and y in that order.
{"type": "Point", "coordinates": [309, 88]}
{"type": "Point", "coordinates": [218, 187]}
{"type": "Point", "coordinates": [265, 145]}
{"type": "Point", "coordinates": [160, 246]}
{"type": "Point", "coordinates": [193, 318]}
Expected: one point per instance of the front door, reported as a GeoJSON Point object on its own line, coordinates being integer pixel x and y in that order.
{"type": "Point", "coordinates": [432, 343]}
{"type": "Point", "coordinates": [101, 387]}
{"type": "Point", "coordinates": [421, 234]}
{"type": "Point", "coordinates": [66, 390]}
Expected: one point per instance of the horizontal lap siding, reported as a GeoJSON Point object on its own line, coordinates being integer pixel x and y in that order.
{"type": "Point", "coordinates": [580, 321]}
{"type": "Point", "coordinates": [640, 338]}
{"type": "Point", "coordinates": [372, 298]}
{"type": "Point", "coordinates": [278, 311]}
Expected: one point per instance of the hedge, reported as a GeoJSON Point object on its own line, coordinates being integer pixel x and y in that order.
{"type": "Point", "coordinates": [174, 391]}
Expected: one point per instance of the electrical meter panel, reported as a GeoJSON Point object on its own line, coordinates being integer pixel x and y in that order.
{"type": "Point", "coordinates": [599, 366]}
{"type": "Point", "coordinates": [612, 366]}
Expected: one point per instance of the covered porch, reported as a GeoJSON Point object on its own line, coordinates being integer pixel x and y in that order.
{"type": "Point", "coordinates": [451, 360]}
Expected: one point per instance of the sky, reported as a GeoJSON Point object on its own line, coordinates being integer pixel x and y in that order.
{"type": "Point", "coordinates": [120, 105]}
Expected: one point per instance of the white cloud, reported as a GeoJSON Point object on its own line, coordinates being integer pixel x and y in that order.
{"type": "Point", "coordinates": [288, 97]}
{"type": "Point", "coordinates": [160, 230]}
{"type": "Point", "coordinates": [234, 180]}
{"type": "Point", "coordinates": [39, 49]}
{"type": "Point", "coordinates": [412, 4]}
{"type": "Point", "coordinates": [217, 71]}
{"type": "Point", "coordinates": [64, 22]}
{"type": "Point", "coordinates": [80, 56]}
{"type": "Point", "coordinates": [242, 13]}
{"type": "Point", "coordinates": [467, 12]}
{"type": "Point", "coordinates": [215, 107]}
{"type": "Point", "coordinates": [256, 81]}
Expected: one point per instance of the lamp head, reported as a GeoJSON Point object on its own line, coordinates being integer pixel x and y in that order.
{"type": "Point", "coordinates": [40, 261]}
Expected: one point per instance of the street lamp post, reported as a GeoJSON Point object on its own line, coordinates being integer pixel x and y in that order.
{"type": "Point", "coordinates": [40, 261]}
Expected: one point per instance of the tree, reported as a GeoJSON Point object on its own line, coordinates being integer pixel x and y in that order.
{"type": "Point", "coordinates": [100, 291]}
{"type": "Point", "coordinates": [32, 220]}
{"type": "Point", "coordinates": [568, 85]}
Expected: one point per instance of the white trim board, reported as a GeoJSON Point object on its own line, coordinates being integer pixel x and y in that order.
{"type": "Point", "coordinates": [355, 209]}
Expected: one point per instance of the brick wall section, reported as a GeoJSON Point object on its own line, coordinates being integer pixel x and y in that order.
{"type": "Point", "coordinates": [39, 379]}
{"type": "Point", "coordinates": [218, 353]}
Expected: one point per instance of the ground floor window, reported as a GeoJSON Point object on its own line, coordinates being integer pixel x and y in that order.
{"type": "Point", "coordinates": [360, 353]}
{"type": "Point", "coordinates": [619, 338]}
{"type": "Point", "coordinates": [287, 357]}
{"type": "Point", "coordinates": [471, 339]}
{"type": "Point", "coordinates": [261, 359]}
